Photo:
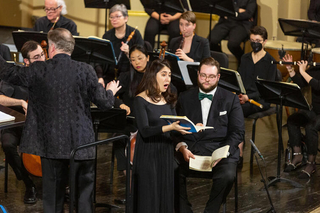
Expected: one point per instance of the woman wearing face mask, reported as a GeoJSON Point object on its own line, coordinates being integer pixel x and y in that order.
{"type": "Point", "coordinates": [189, 46]}
{"type": "Point", "coordinates": [255, 64]}
{"type": "Point", "coordinates": [153, 161]}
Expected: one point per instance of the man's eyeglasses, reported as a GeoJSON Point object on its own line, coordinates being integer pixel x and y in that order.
{"type": "Point", "coordinates": [36, 57]}
{"type": "Point", "coordinates": [115, 17]}
{"type": "Point", "coordinates": [204, 76]}
{"type": "Point", "coordinates": [51, 9]}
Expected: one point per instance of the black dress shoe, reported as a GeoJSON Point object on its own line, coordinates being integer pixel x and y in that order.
{"type": "Point", "coordinates": [30, 197]}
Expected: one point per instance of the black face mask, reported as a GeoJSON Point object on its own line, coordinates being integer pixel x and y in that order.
{"type": "Point", "coordinates": [256, 47]}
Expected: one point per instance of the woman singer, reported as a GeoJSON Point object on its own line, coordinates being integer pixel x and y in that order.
{"type": "Point", "coordinates": [153, 160]}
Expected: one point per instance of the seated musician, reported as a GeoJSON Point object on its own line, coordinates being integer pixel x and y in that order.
{"type": "Point", "coordinates": [118, 36]}
{"type": "Point", "coordinates": [209, 105]}
{"type": "Point", "coordinates": [15, 97]}
{"type": "Point", "coordinates": [236, 28]}
{"type": "Point", "coordinates": [255, 64]}
{"type": "Point", "coordinates": [310, 120]}
{"type": "Point", "coordinates": [55, 9]}
{"type": "Point", "coordinates": [189, 46]}
{"type": "Point", "coordinates": [168, 21]}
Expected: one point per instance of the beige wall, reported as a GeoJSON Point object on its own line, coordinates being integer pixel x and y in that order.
{"type": "Point", "coordinates": [91, 21]}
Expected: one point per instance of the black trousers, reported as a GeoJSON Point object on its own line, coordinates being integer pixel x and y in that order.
{"type": "Point", "coordinates": [311, 122]}
{"type": "Point", "coordinates": [223, 176]}
{"type": "Point", "coordinates": [10, 139]}
{"type": "Point", "coordinates": [152, 29]}
{"type": "Point", "coordinates": [236, 33]}
{"type": "Point", "coordinates": [55, 180]}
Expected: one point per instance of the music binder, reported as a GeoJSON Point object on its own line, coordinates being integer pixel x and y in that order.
{"type": "Point", "coordinates": [20, 37]}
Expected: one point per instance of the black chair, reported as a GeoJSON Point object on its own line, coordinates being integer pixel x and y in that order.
{"type": "Point", "coordinates": [221, 57]}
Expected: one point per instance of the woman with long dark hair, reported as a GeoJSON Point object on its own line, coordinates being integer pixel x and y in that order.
{"type": "Point", "coordinates": [153, 162]}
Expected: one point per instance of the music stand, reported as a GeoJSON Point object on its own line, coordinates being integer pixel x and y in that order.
{"type": "Point", "coordinates": [21, 37]}
{"type": "Point", "coordinates": [300, 28]}
{"type": "Point", "coordinates": [283, 94]}
{"type": "Point", "coordinates": [111, 120]}
{"type": "Point", "coordinates": [218, 7]}
{"type": "Point", "coordinates": [229, 79]}
{"type": "Point", "coordinates": [176, 77]}
{"type": "Point", "coordinates": [94, 50]}
{"type": "Point", "coordinates": [163, 6]}
{"type": "Point", "coordinates": [107, 4]}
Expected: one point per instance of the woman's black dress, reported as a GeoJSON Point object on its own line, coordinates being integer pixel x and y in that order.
{"type": "Point", "coordinates": [153, 160]}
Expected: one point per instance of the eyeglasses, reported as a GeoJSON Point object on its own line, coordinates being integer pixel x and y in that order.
{"type": "Point", "coordinates": [115, 17]}
{"type": "Point", "coordinates": [256, 41]}
{"type": "Point", "coordinates": [36, 57]}
{"type": "Point", "coordinates": [51, 9]}
{"type": "Point", "coordinates": [204, 76]}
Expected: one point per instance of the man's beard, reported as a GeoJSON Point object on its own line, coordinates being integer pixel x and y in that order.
{"type": "Point", "coordinates": [209, 89]}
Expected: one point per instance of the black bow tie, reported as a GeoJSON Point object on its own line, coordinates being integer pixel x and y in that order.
{"type": "Point", "coordinates": [203, 95]}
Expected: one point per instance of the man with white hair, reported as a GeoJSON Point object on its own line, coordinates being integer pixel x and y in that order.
{"type": "Point", "coordinates": [55, 9]}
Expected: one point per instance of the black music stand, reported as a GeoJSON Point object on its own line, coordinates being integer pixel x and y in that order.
{"type": "Point", "coordinates": [163, 6]}
{"type": "Point", "coordinates": [93, 50]}
{"type": "Point", "coordinates": [300, 28]}
{"type": "Point", "coordinates": [229, 79]}
{"type": "Point", "coordinates": [21, 37]}
{"type": "Point", "coordinates": [111, 120]}
{"type": "Point", "coordinates": [107, 4]}
{"type": "Point", "coordinates": [283, 94]}
{"type": "Point", "coordinates": [218, 7]}
{"type": "Point", "coordinates": [176, 77]}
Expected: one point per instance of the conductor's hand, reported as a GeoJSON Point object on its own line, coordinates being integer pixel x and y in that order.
{"type": "Point", "coordinates": [101, 81]}
{"type": "Point", "coordinates": [187, 154]}
{"type": "Point", "coordinates": [181, 129]}
{"type": "Point", "coordinates": [113, 86]}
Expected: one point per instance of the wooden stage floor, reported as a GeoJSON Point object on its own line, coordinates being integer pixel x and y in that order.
{"type": "Point", "coordinates": [252, 196]}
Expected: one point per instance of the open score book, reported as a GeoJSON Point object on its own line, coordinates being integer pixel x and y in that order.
{"type": "Point", "coordinates": [185, 122]}
{"type": "Point", "coordinates": [204, 163]}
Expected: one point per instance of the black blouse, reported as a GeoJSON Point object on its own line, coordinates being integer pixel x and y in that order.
{"type": "Point", "coordinates": [44, 24]}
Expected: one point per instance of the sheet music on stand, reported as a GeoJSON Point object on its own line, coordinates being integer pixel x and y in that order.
{"type": "Point", "coordinates": [229, 79]}
{"type": "Point", "coordinates": [4, 117]}
{"type": "Point", "coordinates": [93, 49]}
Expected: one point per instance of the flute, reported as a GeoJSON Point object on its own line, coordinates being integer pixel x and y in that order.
{"type": "Point", "coordinates": [181, 42]}
{"type": "Point", "coordinates": [294, 63]}
{"type": "Point", "coordinates": [129, 38]}
{"type": "Point", "coordinates": [54, 23]}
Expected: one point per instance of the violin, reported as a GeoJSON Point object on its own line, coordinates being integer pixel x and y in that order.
{"type": "Point", "coordinates": [32, 163]}
{"type": "Point", "coordinates": [162, 50]}
{"type": "Point", "coordinates": [44, 46]}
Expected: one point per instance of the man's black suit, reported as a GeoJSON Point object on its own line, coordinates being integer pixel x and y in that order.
{"type": "Point", "coordinates": [199, 47]}
{"type": "Point", "coordinates": [5, 52]}
{"type": "Point", "coordinates": [226, 116]}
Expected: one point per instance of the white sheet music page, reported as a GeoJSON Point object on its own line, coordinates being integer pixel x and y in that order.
{"type": "Point", "coordinates": [5, 117]}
